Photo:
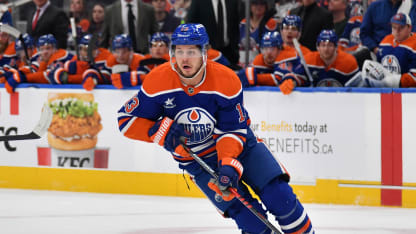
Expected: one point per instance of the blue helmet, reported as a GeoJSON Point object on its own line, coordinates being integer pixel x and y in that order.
{"type": "Point", "coordinates": [328, 36]}
{"type": "Point", "coordinates": [28, 40]}
{"type": "Point", "coordinates": [160, 36]}
{"type": "Point", "coordinates": [292, 20]}
{"type": "Point", "coordinates": [122, 41]}
{"type": "Point", "coordinates": [46, 39]}
{"type": "Point", "coordinates": [85, 40]}
{"type": "Point", "coordinates": [190, 34]}
{"type": "Point", "coordinates": [271, 39]}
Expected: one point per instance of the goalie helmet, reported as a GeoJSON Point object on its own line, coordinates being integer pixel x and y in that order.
{"type": "Point", "coordinates": [292, 20]}
{"type": "Point", "coordinates": [48, 39]}
{"type": "Point", "coordinates": [122, 41]}
{"type": "Point", "coordinates": [190, 34]}
{"type": "Point", "coordinates": [27, 39]}
{"type": "Point", "coordinates": [271, 39]}
{"type": "Point", "coordinates": [327, 36]}
{"type": "Point", "coordinates": [160, 36]}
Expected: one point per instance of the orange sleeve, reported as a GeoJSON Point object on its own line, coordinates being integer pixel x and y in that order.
{"type": "Point", "coordinates": [138, 129]}
{"type": "Point", "coordinates": [75, 79]}
{"type": "Point", "coordinates": [228, 147]}
{"type": "Point", "coordinates": [37, 77]}
{"type": "Point", "coordinates": [266, 79]}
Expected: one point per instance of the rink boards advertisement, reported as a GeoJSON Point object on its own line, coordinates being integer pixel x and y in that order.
{"type": "Point", "coordinates": [326, 140]}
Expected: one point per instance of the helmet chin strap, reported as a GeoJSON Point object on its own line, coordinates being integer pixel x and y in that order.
{"type": "Point", "coordinates": [201, 68]}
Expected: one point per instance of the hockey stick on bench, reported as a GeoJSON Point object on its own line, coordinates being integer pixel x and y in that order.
{"type": "Point", "coordinates": [38, 131]}
{"type": "Point", "coordinates": [208, 169]}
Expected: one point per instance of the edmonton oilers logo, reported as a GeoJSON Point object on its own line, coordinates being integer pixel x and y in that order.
{"type": "Point", "coordinates": [391, 63]}
{"type": "Point", "coordinates": [198, 122]}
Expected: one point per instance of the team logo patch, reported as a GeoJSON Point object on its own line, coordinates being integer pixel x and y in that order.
{"type": "Point", "coordinates": [355, 36]}
{"type": "Point", "coordinates": [169, 103]}
{"type": "Point", "coordinates": [391, 63]}
{"type": "Point", "coordinates": [198, 122]}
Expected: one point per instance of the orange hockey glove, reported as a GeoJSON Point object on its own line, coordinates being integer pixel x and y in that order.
{"type": "Point", "coordinates": [287, 86]}
{"type": "Point", "coordinates": [230, 172]}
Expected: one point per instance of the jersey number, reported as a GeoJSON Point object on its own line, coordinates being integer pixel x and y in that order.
{"type": "Point", "coordinates": [240, 113]}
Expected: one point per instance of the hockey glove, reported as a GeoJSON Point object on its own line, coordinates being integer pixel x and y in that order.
{"type": "Point", "coordinates": [126, 79]}
{"type": "Point", "coordinates": [14, 78]}
{"type": "Point", "coordinates": [58, 76]}
{"type": "Point", "coordinates": [287, 86]}
{"type": "Point", "coordinates": [90, 79]}
{"type": "Point", "coordinates": [230, 171]}
{"type": "Point", "coordinates": [168, 134]}
{"type": "Point", "coordinates": [248, 77]}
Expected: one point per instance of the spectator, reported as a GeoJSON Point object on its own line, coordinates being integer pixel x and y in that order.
{"type": "Point", "coordinates": [261, 21]}
{"type": "Point", "coordinates": [130, 17]}
{"type": "Point", "coordinates": [125, 63]}
{"type": "Point", "coordinates": [50, 59]}
{"type": "Point", "coordinates": [291, 28]}
{"type": "Point", "coordinates": [180, 9]}
{"type": "Point", "coordinates": [269, 67]}
{"type": "Point", "coordinates": [167, 22]}
{"type": "Point", "coordinates": [97, 21]}
{"type": "Point", "coordinates": [397, 54]}
{"type": "Point", "coordinates": [338, 9]}
{"type": "Point", "coordinates": [223, 34]}
{"type": "Point", "coordinates": [375, 25]}
{"type": "Point", "coordinates": [350, 38]}
{"type": "Point", "coordinates": [47, 18]}
{"type": "Point", "coordinates": [85, 70]}
{"type": "Point", "coordinates": [283, 7]}
{"type": "Point", "coordinates": [78, 11]}
{"type": "Point", "coordinates": [328, 66]}
{"type": "Point", "coordinates": [314, 19]}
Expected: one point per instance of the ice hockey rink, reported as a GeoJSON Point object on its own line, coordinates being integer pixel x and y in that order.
{"type": "Point", "coordinates": [30, 211]}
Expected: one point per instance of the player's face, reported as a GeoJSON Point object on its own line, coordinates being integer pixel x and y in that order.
{"type": "Point", "coordinates": [158, 49]}
{"type": "Point", "coordinates": [123, 55]}
{"type": "Point", "coordinates": [288, 33]}
{"type": "Point", "coordinates": [258, 9]}
{"type": "Point", "coordinates": [269, 54]}
{"type": "Point", "coordinates": [46, 52]}
{"type": "Point", "coordinates": [83, 52]}
{"type": "Point", "coordinates": [188, 59]}
{"type": "Point", "coordinates": [400, 32]}
{"type": "Point", "coordinates": [326, 50]}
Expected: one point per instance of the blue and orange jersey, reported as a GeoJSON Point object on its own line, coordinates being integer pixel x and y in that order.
{"type": "Point", "coordinates": [343, 69]}
{"type": "Point", "coordinates": [75, 76]}
{"type": "Point", "coordinates": [212, 112]}
{"type": "Point", "coordinates": [20, 63]}
{"type": "Point", "coordinates": [9, 56]}
{"type": "Point", "coordinates": [399, 58]}
{"type": "Point", "coordinates": [45, 71]}
{"type": "Point", "coordinates": [134, 71]}
{"type": "Point", "coordinates": [350, 38]}
{"type": "Point", "coordinates": [146, 64]}
{"type": "Point", "coordinates": [217, 56]}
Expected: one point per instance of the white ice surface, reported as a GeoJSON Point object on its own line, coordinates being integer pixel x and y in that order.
{"type": "Point", "coordinates": [40, 212]}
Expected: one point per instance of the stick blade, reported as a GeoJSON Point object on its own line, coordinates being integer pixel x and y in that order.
{"type": "Point", "coordinates": [9, 30]}
{"type": "Point", "coordinates": [44, 122]}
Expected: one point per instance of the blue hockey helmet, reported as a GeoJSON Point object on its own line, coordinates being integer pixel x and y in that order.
{"type": "Point", "coordinates": [327, 36]}
{"type": "Point", "coordinates": [190, 34]}
{"type": "Point", "coordinates": [27, 39]}
{"type": "Point", "coordinates": [45, 40]}
{"type": "Point", "coordinates": [160, 36]}
{"type": "Point", "coordinates": [292, 20]}
{"type": "Point", "coordinates": [271, 39]}
{"type": "Point", "coordinates": [122, 41]}
{"type": "Point", "coordinates": [85, 40]}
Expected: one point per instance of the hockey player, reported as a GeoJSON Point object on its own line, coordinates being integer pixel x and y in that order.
{"type": "Point", "coordinates": [328, 66]}
{"type": "Point", "coordinates": [271, 64]}
{"type": "Point", "coordinates": [32, 54]}
{"type": "Point", "coordinates": [291, 28]}
{"type": "Point", "coordinates": [50, 58]}
{"type": "Point", "coordinates": [89, 73]}
{"type": "Point", "coordinates": [397, 56]}
{"type": "Point", "coordinates": [159, 53]}
{"type": "Point", "coordinates": [125, 63]}
{"type": "Point", "coordinates": [201, 101]}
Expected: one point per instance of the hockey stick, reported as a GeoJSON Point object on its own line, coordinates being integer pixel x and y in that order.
{"type": "Point", "coordinates": [38, 131]}
{"type": "Point", "coordinates": [208, 169]}
{"type": "Point", "coordinates": [302, 59]}
{"type": "Point", "coordinates": [74, 34]}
